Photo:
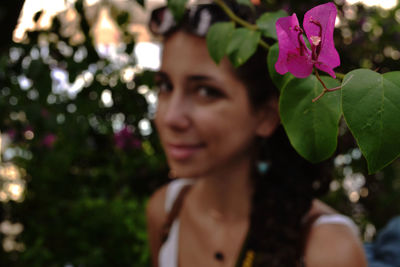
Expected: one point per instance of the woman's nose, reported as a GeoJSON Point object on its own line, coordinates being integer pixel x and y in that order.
{"type": "Point", "coordinates": [175, 113]}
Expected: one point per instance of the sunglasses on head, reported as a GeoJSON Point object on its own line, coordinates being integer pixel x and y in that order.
{"type": "Point", "coordinates": [196, 20]}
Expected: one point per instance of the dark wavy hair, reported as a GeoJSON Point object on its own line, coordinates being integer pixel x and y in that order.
{"type": "Point", "coordinates": [282, 196]}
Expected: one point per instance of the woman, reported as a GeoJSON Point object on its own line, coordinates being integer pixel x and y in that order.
{"type": "Point", "coordinates": [244, 196]}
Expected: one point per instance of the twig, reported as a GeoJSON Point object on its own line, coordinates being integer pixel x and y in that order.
{"type": "Point", "coordinates": [340, 75]}
{"type": "Point", "coordinates": [233, 16]}
{"type": "Point", "coordinates": [240, 21]}
{"type": "Point", "coordinates": [325, 88]}
{"type": "Point", "coordinates": [263, 44]}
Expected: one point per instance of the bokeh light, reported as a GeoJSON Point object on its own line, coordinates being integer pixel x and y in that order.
{"type": "Point", "coordinates": [385, 4]}
{"type": "Point", "coordinates": [49, 7]}
{"type": "Point", "coordinates": [145, 127]}
{"type": "Point", "coordinates": [12, 184]}
{"type": "Point", "coordinates": [106, 98]}
{"type": "Point", "coordinates": [148, 55]}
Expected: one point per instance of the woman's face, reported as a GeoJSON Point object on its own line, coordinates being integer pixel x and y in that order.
{"type": "Point", "coordinates": [204, 117]}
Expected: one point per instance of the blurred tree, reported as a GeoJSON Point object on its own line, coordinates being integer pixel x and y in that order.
{"type": "Point", "coordinates": [9, 14]}
{"type": "Point", "coordinates": [78, 127]}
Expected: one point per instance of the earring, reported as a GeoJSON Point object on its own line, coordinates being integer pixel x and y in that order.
{"type": "Point", "coordinates": [262, 162]}
{"type": "Point", "coordinates": [263, 167]}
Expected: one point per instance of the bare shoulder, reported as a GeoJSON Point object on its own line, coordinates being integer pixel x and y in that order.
{"type": "Point", "coordinates": [155, 210]}
{"type": "Point", "coordinates": [156, 216]}
{"type": "Point", "coordinates": [331, 245]}
{"type": "Point", "coordinates": [319, 207]}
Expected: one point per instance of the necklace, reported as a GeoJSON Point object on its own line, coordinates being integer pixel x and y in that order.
{"type": "Point", "coordinates": [218, 255]}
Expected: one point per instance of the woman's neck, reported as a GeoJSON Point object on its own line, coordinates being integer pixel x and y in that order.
{"type": "Point", "coordinates": [226, 194]}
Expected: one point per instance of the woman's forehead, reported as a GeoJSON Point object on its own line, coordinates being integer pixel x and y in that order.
{"type": "Point", "coordinates": [182, 45]}
{"type": "Point", "coordinates": [186, 53]}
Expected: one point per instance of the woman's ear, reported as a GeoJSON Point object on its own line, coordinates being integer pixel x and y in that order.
{"type": "Point", "coordinates": [269, 118]}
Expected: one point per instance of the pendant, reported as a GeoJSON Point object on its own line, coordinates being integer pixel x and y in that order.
{"type": "Point", "coordinates": [219, 256]}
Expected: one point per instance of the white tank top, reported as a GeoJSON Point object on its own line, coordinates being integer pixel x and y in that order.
{"type": "Point", "coordinates": [168, 255]}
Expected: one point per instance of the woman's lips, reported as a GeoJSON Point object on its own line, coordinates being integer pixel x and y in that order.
{"type": "Point", "coordinates": [182, 151]}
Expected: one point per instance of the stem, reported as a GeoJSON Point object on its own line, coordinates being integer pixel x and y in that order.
{"type": "Point", "coordinates": [319, 79]}
{"type": "Point", "coordinates": [263, 44]}
{"type": "Point", "coordinates": [240, 21]}
{"type": "Point", "coordinates": [334, 89]}
{"type": "Point", "coordinates": [340, 75]}
{"type": "Point", "coordinates": [325, 88]}
{"type": "Point", "coordinates": [233, 16]}
{"type": "Point", "coordinates": [318, 97]}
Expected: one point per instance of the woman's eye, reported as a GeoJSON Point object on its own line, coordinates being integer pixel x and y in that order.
{"type": "Point", "coordinates": [164, 87]}
{"type": "Point", "coordinates": [209, 92]}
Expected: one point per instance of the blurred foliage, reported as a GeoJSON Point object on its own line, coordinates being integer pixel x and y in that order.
{"type": "Point", "coordinates": [9, 13]}
{"type": "Point", "coordinates": [88, 168]}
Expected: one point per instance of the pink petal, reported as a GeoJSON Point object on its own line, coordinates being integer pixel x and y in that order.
{"type": "Point", "coordinates": [290, 59]}
{"type": "Point", "coordinates": [49, 140]}
{"type": "Point", "coordinates": [299, 66]}
{"type": "Point", "coordinates": [325, 15]}
{"type": "Point", "coordinates": [326, 69]}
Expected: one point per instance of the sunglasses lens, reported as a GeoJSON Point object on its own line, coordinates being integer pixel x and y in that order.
{"type": "Point", "coordinates": [162, 21]}
{"type": "Point", "coordinates": [197, 19]}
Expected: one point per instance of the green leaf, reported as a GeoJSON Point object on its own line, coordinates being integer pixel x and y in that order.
{"type": "Point", "coordinates": [371, 108]}
{"type": "Point", "coordinates": [243, 45]}
{"type": "Point", "coordinates": [218, 38]}
{"type": "Point", "coordinates": [246, 3]}
{"type": "Point", "coordinates": [177, 8]}
{"type": "Point", "coordinates": [279, 80]}
{"type": "Point", "coordinates": [266, 23]}
{"type": "Point", "coordinates": [312, 128]}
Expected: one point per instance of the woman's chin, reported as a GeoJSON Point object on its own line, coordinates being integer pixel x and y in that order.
{"type": "Point", "coordinates": [186, 172]}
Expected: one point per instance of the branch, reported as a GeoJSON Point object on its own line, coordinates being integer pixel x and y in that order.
{"type": "Point", "coordinates": [239, 21]}
{"type": "Point", "coordinates": [326, 89]}
{"type": "Point", "coordinates": [340, 75]}
{"type": "Point", "coordinates": [233, 16]}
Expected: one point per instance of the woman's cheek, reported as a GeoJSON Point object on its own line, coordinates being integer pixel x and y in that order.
{"type": "Point", "coordinates": [158, 116]}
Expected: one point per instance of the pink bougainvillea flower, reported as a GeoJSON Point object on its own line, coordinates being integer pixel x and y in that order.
{"type": "Point", "coordinates": [12, 134]}
{"type": "Point", "coordinates": [125, 139]}
{"type": "Point", "coordinates": [45, 113]}
{"type": "Point", "coordinates": [294, 56]}
{"type": "Point", "coordinates": [49, 140]}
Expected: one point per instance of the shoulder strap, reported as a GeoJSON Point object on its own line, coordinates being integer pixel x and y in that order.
{"type": "Point", "coordinates": [174, 212]}
{"type": "Point", "coordinates": [306, 229]}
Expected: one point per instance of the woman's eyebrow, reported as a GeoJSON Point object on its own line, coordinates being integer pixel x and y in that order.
{"type": "Point", "coordinates": [161, 75]}
{"type": "Point", "coordinates": [201, 78]}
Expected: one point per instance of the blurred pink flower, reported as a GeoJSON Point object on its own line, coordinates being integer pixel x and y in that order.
{"type": "Point", "coordinates": [49, 140]}
{"type": "Point", "coordinates": [12, 134]}
{"type": "Point", "coordinates": [294, 56]}
{"type": "Point", "coordinates": [125, 139]}
{"type": "Point", "coordinates": [44, 112]}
